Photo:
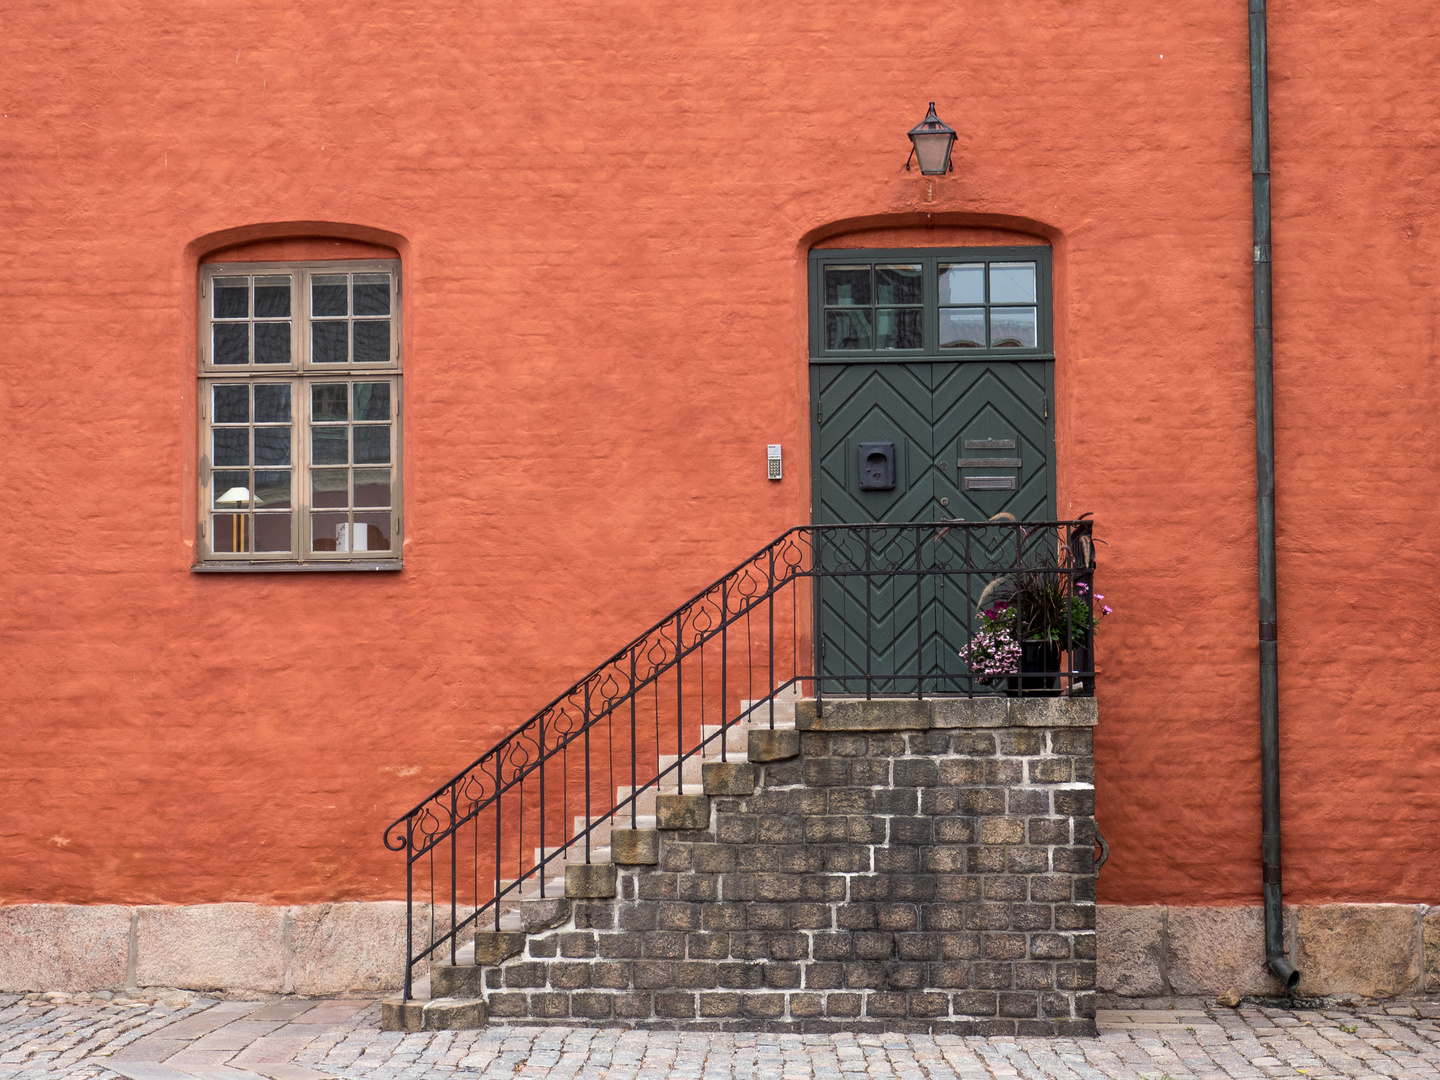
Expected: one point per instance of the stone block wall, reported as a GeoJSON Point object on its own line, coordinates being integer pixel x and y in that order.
{"type": "Point", "coordinates": [914, 866]}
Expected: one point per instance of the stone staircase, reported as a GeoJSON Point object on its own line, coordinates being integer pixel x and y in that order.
{"type": "Point", "coordinates": [443, 998]}
{"type": "Point", "coordinates": [888, 865]}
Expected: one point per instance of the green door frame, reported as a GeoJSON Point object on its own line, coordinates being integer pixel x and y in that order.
{"type": "Point", "coordinates": [1028, 369]}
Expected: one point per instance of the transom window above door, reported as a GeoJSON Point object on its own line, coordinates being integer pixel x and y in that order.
{"type": "Point", "coordinates": [958, 303]}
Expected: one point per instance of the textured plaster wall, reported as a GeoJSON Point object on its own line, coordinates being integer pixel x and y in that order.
{"type": "Point", "coordinates": [603, 214]}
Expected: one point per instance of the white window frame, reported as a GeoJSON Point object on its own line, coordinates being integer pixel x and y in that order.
{"type": "Point", "coordinates": [302, 372]}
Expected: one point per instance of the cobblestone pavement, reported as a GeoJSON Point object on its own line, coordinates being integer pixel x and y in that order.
{"type": "Point", "coordinates": [179, 1038]}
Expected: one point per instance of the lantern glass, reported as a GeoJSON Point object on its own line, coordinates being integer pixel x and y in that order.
{"type": "Point", "coordinates": [933, 152]}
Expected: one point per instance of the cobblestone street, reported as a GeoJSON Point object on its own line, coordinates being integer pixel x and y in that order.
{"type": "Point", "coordinates": [180, 1037]}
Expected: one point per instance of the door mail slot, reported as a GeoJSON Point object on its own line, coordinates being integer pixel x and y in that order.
{"type": "Point", "coordinates": [989, 483]}
{"type": "Point", "coordinates": [877, 466]}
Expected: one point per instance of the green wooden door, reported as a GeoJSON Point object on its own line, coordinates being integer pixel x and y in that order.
{"type": "Point", "coordinates": [972, 437]}
{"type": "Point", "coordinates": [971, 440]}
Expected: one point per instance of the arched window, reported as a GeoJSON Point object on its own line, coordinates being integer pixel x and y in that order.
{"type": "Point", "coordinates": [300, 399]}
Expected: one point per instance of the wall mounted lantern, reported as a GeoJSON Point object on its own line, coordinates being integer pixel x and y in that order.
{"type": "Point", "coordinates": [932, 139]}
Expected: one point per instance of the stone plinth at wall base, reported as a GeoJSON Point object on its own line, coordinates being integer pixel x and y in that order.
{"type": "Point", "coordinates": [1430, 943]}
{"type": "Point", "coordinates": [1369, 949]}
{"type": "Point", "coordinates": [65, 947]}
{"type": "Point", "coordinates": [341, 948]}
{"type": "Point", "coordinates": [1364, 950]}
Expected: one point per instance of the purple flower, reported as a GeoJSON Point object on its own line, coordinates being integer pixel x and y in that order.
{"type": "Point", "coordinates": [1106, 609]}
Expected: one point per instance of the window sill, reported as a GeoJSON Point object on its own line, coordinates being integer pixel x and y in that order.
{"type": "Point", "coordinates": [292, 568]}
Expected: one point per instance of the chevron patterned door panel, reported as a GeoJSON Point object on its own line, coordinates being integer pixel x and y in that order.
{"type": "Point", "coordinates": [977, 435]}
{"type": "Point", "coordinates": [993, 441]}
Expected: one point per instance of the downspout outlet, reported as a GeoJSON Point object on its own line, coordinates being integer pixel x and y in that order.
{"type": "Point", "coordinates": [1284, 972]}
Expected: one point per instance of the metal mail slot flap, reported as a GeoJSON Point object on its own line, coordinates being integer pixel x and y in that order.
{"type": "Point", "coordinates": [989, 463]}
{"type": "Point", "coordinates": [989, 444]}
{"type": "Point", "coordinates": [989, 483]}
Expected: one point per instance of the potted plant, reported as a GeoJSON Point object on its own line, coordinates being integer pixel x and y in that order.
{"type": "Point", "coordinates": [1025, 621]}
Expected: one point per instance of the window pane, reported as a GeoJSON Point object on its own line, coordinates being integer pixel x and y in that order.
{"type": "Point", "coordinates": [272, 446]}
{"type": "Point", "coordinates": [272, 490]}
{"type": "Point", "coordinates": [898, 285]}
{"type": "Point", "coordinates": [372, 294]}
{"type": "Point", "coordinates": [329, 342]}
{"type": "Point", "coordinates": [232, 446]}
{"type": "Point", "coordinates": [272, 403]}
{"type": "Point", "coordinates": [272, 343]}
{"type": "Point", "coordinates": [327, 295]}
{"type": "Point", "coordinates": [324, 530]}
{"type": "Point", "coordinates": [232, 404]}
{"type": "Point", "coordinates": [272, 298]}
{"type": "Point", "coordinates": [272, 532]}
{"type": "Point", "coordinates": [232, 298]}
{"type": "Point", "coordinates": [372, 342]}
{"type": "Point", "coordinates": [962, 283]}
{"type": "Point", "coordinates": [1012, 283]}
{"type": "Point", "coordinates": [962, 328]}
{"type": "Point", "coordinates": [847, 330]}
{"type": "Point", "coordinates": [328, 487]}
{"type": "Point", "coordinates": [847, 286]}
{"type": "Point", "coordinates": [371, 532]}
{"type": "Point", "coordinates": [372, 487]}
{"type": "Point", "coordinates": [328, 445]}
{"type": "Point", "coordinates": [328, 401]}
{"type": "Point", "coordinates": [230, 490]}
{"type": "Point", "coordinates": [372, 401]}
{"type": "Point", "coordinates": [372, 445]}
{"type": "Point", "coordinates": [232, 343]}
{"type": "Point", "coordinates": [229, 532]}
{"type": "Point", "coordinates": [897, 328]}
{"type": "Point", "coordinates": [1012, 327]}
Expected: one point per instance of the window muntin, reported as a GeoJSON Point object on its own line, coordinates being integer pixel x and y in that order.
{"type": "Point", "coordinates": [874, 306]}
{"type": "Point", "coordinates": [352, 434]}
{"type": "Point", "coordinates": [250, 321]}
{"type": "Point", "coordinates": [303, 469]}
{"type": "Point", "coordinates": [250, 440]}
{"type": "Point", "coordinates": [350, 318]}
{"type": "Point", "coordinates": [971, 297]}
{"type": "Point", "coordinates": [975, 302]}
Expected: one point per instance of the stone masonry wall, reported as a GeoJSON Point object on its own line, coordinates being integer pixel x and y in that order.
{"type": "Point", "coordinates": [900, 866]}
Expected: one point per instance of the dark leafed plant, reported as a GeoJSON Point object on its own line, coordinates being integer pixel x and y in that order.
{"type": "Point", "coordinates": [1039, 605]}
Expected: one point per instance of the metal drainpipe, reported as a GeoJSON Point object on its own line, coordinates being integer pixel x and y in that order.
{"type": "Point", "coordinates": [1265, 506]}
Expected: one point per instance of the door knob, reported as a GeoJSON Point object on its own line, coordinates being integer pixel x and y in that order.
{"type": "Point", "coordinates": [944, 502]}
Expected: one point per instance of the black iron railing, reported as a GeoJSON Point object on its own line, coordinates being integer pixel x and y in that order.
{"type": "Point", "coordinates": [825, 610]}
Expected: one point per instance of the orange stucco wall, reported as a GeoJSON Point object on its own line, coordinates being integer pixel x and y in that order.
{"type": "Point", "coordinates": [603, 214]}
